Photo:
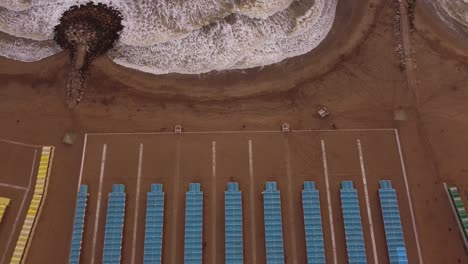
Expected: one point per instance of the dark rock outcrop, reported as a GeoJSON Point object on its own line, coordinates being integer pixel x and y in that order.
{"type": "Point", "coordinates": [86, 31]}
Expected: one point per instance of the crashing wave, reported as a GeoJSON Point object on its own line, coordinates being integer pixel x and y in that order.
{"type": "Point", "coordinates": [196, 36]}
{"type": "Point", "coordinates": [25, 50]}
{"type": "Point", "coordinates": [16, 5]}
{"type": "Point", "coordinates": [453, 12]}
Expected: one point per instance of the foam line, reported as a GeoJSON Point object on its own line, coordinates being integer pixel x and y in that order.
{"type": "Point", "coordinates": [191, 37]}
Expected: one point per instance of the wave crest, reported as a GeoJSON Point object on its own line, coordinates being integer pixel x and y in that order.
{"type": "Point", "coordinates": [452, 12]}
{"type": "Point", "coordinates": [196, 36]}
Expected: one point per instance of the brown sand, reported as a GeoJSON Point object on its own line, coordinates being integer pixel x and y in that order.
{"type": "Point", "coordinates": [438, 33]}
{"type": "Point", "coordinates": [18, 171]}
{"type": "Point", "coordinates": [271, 152]}
{"type": "Point", "coordinates": [341, 41]}
{"type": "Point", "coordinates": [362, 91]}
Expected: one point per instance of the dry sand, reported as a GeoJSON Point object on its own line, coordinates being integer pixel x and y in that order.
{"type": "Point", "coordinates": [362, 89]}
{"type": "Point", "coordinates": [177, 160]}
{"type": "Point", "coordinates": [439, 35]}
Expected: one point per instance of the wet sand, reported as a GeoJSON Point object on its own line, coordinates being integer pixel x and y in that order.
{"type": "Point", "coordinates": [341, 41]}
{"type": "Point", "coordinates": [438, 33]}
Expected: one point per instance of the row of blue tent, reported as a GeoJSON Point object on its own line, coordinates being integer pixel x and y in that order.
{"type": "Point", "coordinates": [234, 252]}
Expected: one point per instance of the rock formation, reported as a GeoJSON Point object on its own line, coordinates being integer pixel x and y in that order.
{"type": "Point", "coordinates": [86, 31]}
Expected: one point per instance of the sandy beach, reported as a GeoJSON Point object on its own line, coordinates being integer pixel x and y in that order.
{"type": "Point", "coordinates": [438, 33]}
{"type": "Point", "coordinates": [356, 72]}
{"type": "Point", "coordinates": [339, 44]}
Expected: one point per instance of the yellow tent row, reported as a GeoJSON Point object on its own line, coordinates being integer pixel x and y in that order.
{"type": "Point", "coordinates": [33, 206]}
{"type": "Point", "coordinates": [4, 202]}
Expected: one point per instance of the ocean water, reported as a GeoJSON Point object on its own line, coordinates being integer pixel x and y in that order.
{"type": "Point", "coordinates": [453, 12]}
{"type": "Point", "coordinates": [180, 36]}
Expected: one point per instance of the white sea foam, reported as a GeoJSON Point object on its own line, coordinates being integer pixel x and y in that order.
{"type": "Point", "coordinates": [456, 10]}
{"type": "Point", "coordinates": [189, 36]}
{"type": "Point", "coordinates": [26, 50]}
{"type": "Point", "coordinates": [453, 12]}
{"type": "Point", "coordinates": [17, 5]}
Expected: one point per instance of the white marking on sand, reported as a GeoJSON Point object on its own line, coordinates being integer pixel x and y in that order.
{"type": "Point", "coordinates": [96, 222]}
{"type": "Point", "coordinates": [80, 177]}
{"type": "Point", "coordinates": [176, 203]}
{"type": "Point", "coordinates": [252, 205]}
{"type": "Point", "coordinates": [13, 186]}
{"type": "Point", "coordinates": [82, 162]}
{"type": "Point", "coordinates": [292, 221]}
{"type": "Point", "coordinates": [213, 201]}
{"type": "Point", "coordinates": [366, 193]}
{"type": "Point", "coordinates": [135, 214]}
{"type": "Point", "coordinates": [403, 169]}
{"type": "Point", "coordinates": [242, 131]}
{"type": "Point", "coordinates": [19, 143]}
{"type": "Point", "coordinates": [23, 201]}
{"type": "Point", "coordinates": [330, 210]}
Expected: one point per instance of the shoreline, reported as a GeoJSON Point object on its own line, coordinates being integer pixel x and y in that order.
{"type": "Point", "coordinates": [268, 79]}
{"type": "Point", "coordinates": [339, 44]}
{"type": "Point", "coordinates": [437, 33]}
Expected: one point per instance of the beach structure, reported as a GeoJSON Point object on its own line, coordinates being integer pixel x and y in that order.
{"type": "Point", "coordinates": [35, 205]}
{"type": "Point", "coordinates": [114, 225]}
{"type": "Point", "coordinates": [233, 224]}
{"type": "Point", "coordinates": [313, 224]}
{"type": "Point", "coordinates": [273, 224]}
{"type": "Point", "coordinates": [352, 224]}
{"type": "Point", "coordinates": [78, 225]}
{"type": "Point", "coordinates": [154, 225]}
{"type": "Point", "coordinates": [193, 238]}
{"type": "Point", "coordinates": [4, 202]}
{"type": "Point", "coordinates": [392, 223]}
{"type": "Point", "coordinates": [459, 211]}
